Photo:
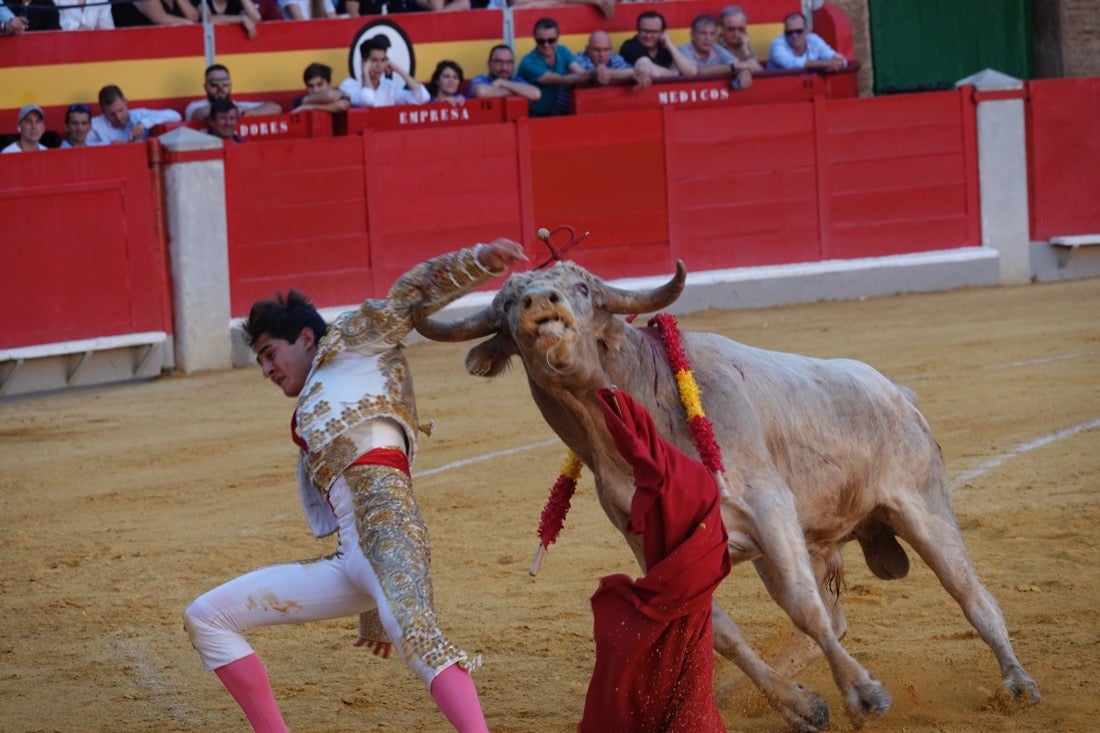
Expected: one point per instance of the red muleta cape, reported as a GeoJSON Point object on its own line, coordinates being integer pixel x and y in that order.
{"type": "Point", "coordinates": [654, 658]}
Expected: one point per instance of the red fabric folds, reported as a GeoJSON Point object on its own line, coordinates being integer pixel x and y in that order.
{"type": "Point", "coordinates": [654, 659]}
{"type": "Point", "coordinates": [384, 457]}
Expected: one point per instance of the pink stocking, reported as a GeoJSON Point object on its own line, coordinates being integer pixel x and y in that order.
{"type": "Point", "coordinates": [456, 696]}
{"type": "Point", "coordinates": [246, 679]}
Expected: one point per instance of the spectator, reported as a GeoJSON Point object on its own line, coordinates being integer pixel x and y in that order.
{"type": "Point", "coordinates": [223, 120]}
{"type": "Point", "coordinates": [84, 15]}
{"type": "Point", "coordinates": [437, 5]}
{"type": "Point", "coordinates": [610, 67]}
{"type": "Point", "coordinates": [447, 82]}
{"type": "Point", "coordinates": [307, 9]}
{"type": "Point", "coordinates": [501, 80]}
{"type": "Point", "coordinates": [799, 49]}
{"type": "Point", "coordinates": [379, 88]}
{"type": "Point", "coordinates": [652, 50]}
{"type": "Point", "coordinates": [606, 7]}
{"type": "Point", "coordinates": [120, 124]}
{"type": "Point", "coordinates": [128, 14]}
{"type": "Point", "coordinates": [553, 69]}
{"type": "Point", "coordinates": [78, 123]}
{"type": "Point", "coordinates": [320, 94]}
{"type": "Point", "coordinates": [712, 60]}
{"type": "Point", "coordinates": [219, 86]}
{"type": "Point", "coordinates": [243, 12]}
{"type": "Point", "coordinates": [41, 15]}
{"type": "Point", "coordinates": [734, 37]}
{"type": "Point", "coordinates": [32, 123]}
{"type": "Point", "coordinates": [10, 23]}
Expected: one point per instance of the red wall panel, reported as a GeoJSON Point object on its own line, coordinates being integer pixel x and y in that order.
{"type": "Point", "coordinates": [742, 180]}
{"type": "Point", "coordinates": [899, 174]}
{"type": "Point", "coordinates": [604, 174]}
{"type": "Point", "coordinates": [1063, 156]}
{"type": "Point", "coordinates": [296, 217]}
{"type": "Point", "coordinates": [433, 190]}
{"type": "Point", "coordinates": [83, 255]}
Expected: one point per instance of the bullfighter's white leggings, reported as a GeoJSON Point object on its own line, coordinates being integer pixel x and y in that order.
{"type": "Point", "coordinates": [381, 562]}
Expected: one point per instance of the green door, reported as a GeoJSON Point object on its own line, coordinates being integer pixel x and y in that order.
{"type": "Point", "coordinates": [931, 44]}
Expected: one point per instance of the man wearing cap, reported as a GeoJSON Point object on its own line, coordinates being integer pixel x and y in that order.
{"type": "Point", "coordinates": [120, 124]}
{"type": "Point", "coordinates": [32, 123]}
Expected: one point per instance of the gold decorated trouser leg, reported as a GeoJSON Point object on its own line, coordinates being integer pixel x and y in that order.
{"type": "Point", "coordinates": [394, 539]}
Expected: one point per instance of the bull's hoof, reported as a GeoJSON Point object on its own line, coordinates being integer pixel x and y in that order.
{"type": "Point", "coordinates": [1022, 687]}
{"type": "Point", "coordinates": [808, 714]}
{"type": "Point", "coordinates": [866, 700]}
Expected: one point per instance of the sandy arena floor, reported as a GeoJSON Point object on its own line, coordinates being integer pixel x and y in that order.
{"type": "Point", "coordinates": [122, 504]}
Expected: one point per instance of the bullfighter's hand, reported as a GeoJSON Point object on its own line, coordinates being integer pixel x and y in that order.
{"type": "Point", "coordinates": [378, 648]}
{"type": "Point", "coordinates": [500, 253]}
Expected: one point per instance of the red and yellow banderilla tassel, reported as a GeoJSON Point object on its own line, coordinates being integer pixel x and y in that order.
{"type": "Point", "coordinates": [557, 506]}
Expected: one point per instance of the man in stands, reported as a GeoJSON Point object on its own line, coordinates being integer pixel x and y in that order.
{"type": "Point", "coordinates": [32, 124]}
{"type": "Point", "coordinates": [10, 23]}
{"type": "Point", "coordinates": [733, 35]}
{"type": "Point", "coordinates": [320, 94]}
{"type": "Point", "coordinates": [120, 124]}
{"type": "Point", "coordinates": [653, 51]}
{"type": "Point", "coordinates": [78, 124]}
{"type": "Point", "coordinates": [501, 80]}
{"type": "Point", "coordinates": [797, 48]}
{"type": "Point", "coordinates": [712, 60]}
{"type": "Point", "coordinates": [378, 88]}
{"type": "Point", "coordinates": [219, 86]}
{"type": "Point", "coordinates": [610, 67]}
{"type": "Point", "coordinates": [553, 69]}
{"type": "Point", "coordinates": [223, 120]}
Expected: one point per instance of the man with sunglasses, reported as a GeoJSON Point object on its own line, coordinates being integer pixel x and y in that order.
{"type": "Point", "coordinates": [217, 85]}
{"type": "Point", "coordinates": [78, 123]}
{"type": "Point", "coordinates": [797, 48]}
{"type": "Point", "coordinates": [553, 69]}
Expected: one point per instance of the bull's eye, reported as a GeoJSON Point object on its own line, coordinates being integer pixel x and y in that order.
{"type": "Point", "coordinates": [582, 289]}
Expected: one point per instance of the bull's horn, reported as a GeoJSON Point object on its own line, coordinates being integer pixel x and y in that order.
{"type": "Point", "coordinates": [473, 326]}
{"type": "Point", "coordinates": [647, 301]}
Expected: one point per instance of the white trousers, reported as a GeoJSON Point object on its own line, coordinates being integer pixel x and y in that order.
{"type": "Point", "coordinates": [337, 586]}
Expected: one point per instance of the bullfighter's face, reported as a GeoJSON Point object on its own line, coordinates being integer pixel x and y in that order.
{"type": "Point", "coordinates": [286, 363]}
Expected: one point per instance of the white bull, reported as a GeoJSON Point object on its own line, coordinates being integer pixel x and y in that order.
{"type": "Point", "coordinates": [817, 453]}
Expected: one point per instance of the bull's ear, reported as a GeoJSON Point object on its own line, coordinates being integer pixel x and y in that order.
{"type": "Point", "coordinates": [610, 330]}
{"type": "Point", "coordinates": [490, 358]}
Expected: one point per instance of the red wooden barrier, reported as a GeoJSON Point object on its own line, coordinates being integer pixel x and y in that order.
{"type": "Point", "coordinates": [83, 254]}
{"type": "Point", "coordinates": [435, 114]}
{"type": "Point", "coordinates": [286, 126]}
{"type": "Point", "coordinates": [296, 217]}
{"type": "Point", "coordinates": [687, 92]}
{"type": "Point", "coordinates": [1063, 156]}
{"type": "Point", "coordinates": [604, 174]}
{"type": "Point", "coordinates": [898, 174]}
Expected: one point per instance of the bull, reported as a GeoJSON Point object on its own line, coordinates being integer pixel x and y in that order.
{"type": "Point", "coordinates": [817, 453]}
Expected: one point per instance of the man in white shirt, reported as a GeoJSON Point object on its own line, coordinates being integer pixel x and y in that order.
{"type": "Point", "coordinates": [120, 124]}
{"type": "Point", "coordinates": [32, 123]}
{"type": "Point", "coordinates": [797, 48]}
{"type": "Point", "coordinates": [379, 88]}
